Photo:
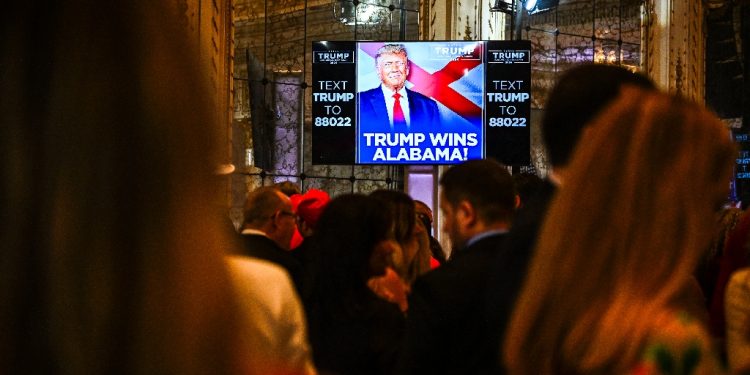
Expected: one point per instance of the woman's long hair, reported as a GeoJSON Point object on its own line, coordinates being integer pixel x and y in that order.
{"type": "Point", "coordinates": [621, 237]}
{"type": "Point", "coordinates": [346, 235]}
{"type": "Point", "coordinates": [111, 259]}
{"type": "Point", "coordinates": [413, 257]}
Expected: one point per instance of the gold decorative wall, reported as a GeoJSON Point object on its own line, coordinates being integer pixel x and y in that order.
{"type": "Point", "coordinates": [602, 31]}
{"type": "Point", "coordinates": [674, 46]}
{"type": "Point", "coordinates": [210, 24]}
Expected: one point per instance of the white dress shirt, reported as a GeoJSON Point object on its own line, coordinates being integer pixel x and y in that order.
{"type": "Point", "coordinates": [390, 101]}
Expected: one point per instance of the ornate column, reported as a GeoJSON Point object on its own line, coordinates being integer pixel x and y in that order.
{"type": "Point", "coordinates": [467, 17]}
{"type": "Point", "coordinates": [492, 24]}
{"type": "Point", "coordinates": [210, 26]}
{"type": "Point", "coordinates": [461, 20]}
{"type": "Point", "coordinates": [436, 19]}
{"type": "Point", "coordinates": [674, 46]}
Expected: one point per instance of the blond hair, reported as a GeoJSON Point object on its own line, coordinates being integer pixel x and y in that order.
{"type": "Point", "coordinates": [622, 235]}
{"type": "Point", "coordinates": [390, 49]}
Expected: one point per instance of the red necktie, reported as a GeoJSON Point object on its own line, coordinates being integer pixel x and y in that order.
{"type": "Point", "coordinates": [399, 121]}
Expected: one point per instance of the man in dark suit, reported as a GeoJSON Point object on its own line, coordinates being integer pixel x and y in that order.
{"type": "Point", "coordinates": [579, 95]}
{"type": "Point", "coordinates": [391, 106]}
{"type": "Point", "coordinates": [268, 228]}
{"type": "Point", "coordinates": [444, 324]}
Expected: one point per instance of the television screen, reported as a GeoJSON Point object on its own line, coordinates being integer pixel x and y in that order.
{"type": "Point", "coordinates": [423, 102]}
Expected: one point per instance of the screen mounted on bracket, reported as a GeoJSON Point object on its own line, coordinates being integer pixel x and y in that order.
{"type": "Point", "coordinates": [426, 102]}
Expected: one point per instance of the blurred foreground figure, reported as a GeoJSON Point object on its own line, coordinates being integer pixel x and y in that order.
{"type": "Point", "coordinates": [579, 95]}
{"type": "Point", "coordinates": [603, 294]}
{"type": "Point", "coordinates": [111, 258]}
{"type": "Point", "coordinates": [275, 329]}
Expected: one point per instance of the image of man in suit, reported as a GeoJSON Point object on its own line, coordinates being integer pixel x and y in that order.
{"type": "Point", "coordinates": [391, 106]}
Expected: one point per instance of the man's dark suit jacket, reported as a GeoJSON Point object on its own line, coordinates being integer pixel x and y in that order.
{"type": "Point", "coordinates": [445, 325]}
{"type": "Point", "coordinates": [507, 271]}
{"type": "Point", "coordinates": [373, 115]}
{"type": "Point", "coordinates": [262, 247]}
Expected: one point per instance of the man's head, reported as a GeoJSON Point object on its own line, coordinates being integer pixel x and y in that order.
{"type": "Point", "coordinates": [476, 196]}
{"type": "Point", "coordinates": [289, 188]}
{"type": "Point", "coordinates": [267, 209]}
{"type": "Point", "coordinates": [392, 66]}
{"type": "Point", "coordinates": [579, 95]}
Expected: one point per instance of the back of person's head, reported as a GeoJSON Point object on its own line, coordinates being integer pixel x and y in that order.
{"type": "Point", "coordinates": [347, 233]}
{"type": "Point", "coordinates": [578, 96]}
{"type": "Point", "coordinates": [111, 258]}
{"type": "Point", "coordinates": [289, 188]}
{"type": "Point", "coordinates": [486, 184]}
{"type": "Point", "coordinates": [527, 185]}
{"type": "Point", "coordinates": [412, 257]}
{"type": "Point", "coordinates": [268, 210]}
{"type": "Point", "coordinates": [401, 210]}
{"type": "Point", "coordinates": [622, 235]}
{"type": "Point", "coordinates": [424, 213]}
{"type": "Point", "coordinates": [261, 204]}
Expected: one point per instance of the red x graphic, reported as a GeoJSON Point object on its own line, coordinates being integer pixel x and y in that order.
{"type": "Point", "coordinates": [435, 85]}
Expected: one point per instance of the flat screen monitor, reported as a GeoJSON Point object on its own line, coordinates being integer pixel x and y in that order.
{"type": "Point", "coordinates": [425, 102]}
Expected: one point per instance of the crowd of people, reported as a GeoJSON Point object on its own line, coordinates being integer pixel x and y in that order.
{"type": "Point", "coordinates": [624, 259]}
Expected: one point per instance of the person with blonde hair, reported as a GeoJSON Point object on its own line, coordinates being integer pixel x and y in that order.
{"type": "Point", "coordinates": [580, 93]}
{"type": "Point", "coordinates": [603, 294]}
{"type": "Point", "coordinates": [409, 232]}
{"type": "Point", "coordinates": [407, 239]}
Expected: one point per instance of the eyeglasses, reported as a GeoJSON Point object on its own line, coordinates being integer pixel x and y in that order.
{"type": "Point", "coordinates": [290, 213]}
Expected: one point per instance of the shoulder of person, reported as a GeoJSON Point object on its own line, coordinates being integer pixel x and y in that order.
{"type": "Point", "coordinates": [455, 281]}
{"type": "Point", "coordinates": [247, 269]}
{"type": "Point", "coordinates": [371, 91]}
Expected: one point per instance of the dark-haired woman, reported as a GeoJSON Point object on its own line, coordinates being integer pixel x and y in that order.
{"type": "Point", "coordinates": [352, 330]}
